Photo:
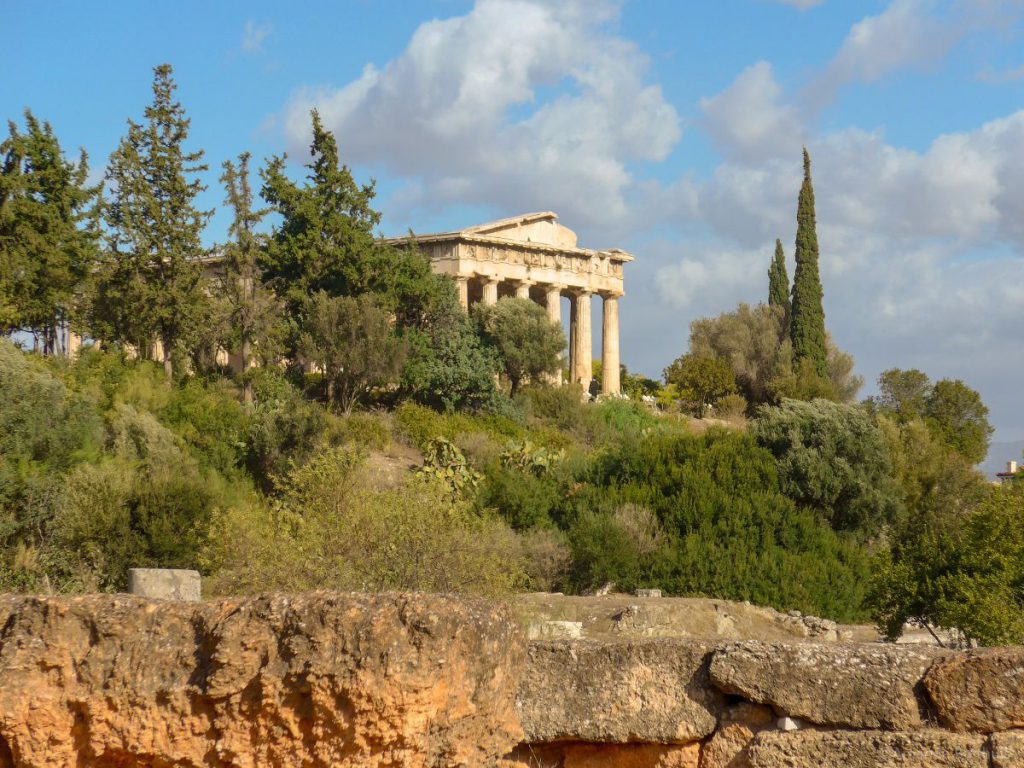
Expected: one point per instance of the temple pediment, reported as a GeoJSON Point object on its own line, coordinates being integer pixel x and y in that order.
{"type": "Point", "coordinates": [540, 228]}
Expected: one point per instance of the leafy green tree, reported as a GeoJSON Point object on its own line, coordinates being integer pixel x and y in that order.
{"type": "Point", "coordinates": [151, 286]}
{"type": "Point", "coordinates": [749, 340]}
{"type": "Point", "coordinates": [252, 308]}
{"type": "Point", "coordinates": [959, 418]}
{"type": "Point", "coordinates": [325, 241]}
{"type": "Point", "coordinates": [833, 459]}
{"type": "Point", "coordinates": [701, 380]}
{"type": "Point", "coordinates": [807, 328]}
{"type": "Point", "coordinates": [352, 343]}
{"type": "Point", "coordinates": [903, 393]}
{"type": "Point", "coordinates": [528, 344]}
{"type": "Point", "coordinates": [48, 233]}
{"type": "Point", "coordinates": [778, 285]}
{"type": "Point", "coordinates": [965, 574]}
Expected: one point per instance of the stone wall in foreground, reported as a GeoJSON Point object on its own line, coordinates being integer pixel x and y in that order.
{"type": "Point", "coordinates": [411, 680]}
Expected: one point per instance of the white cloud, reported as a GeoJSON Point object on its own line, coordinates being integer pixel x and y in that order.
{"type": "Point", "coordinates": [254, 35]}
{"type": "Point", "coordinates": [524, 104]}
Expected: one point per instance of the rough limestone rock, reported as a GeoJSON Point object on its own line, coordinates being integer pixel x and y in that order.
{"type": "Point", "coordinates": [637, 691]}
{"type": "Point", "coordinates": [867, 749]}
{"type": "Point", "coordinates": [607, 756]}
{"type": "Point", "coordinates": [728, 747]}
{"type": "Point", "coordinates": [860, 685]}
{"type": "Point", "coordinates": [1008, 749]}
{"type": "Point", "coordinates": [315, 680]}
{"type": "Point", "coordinates": [980, 691]}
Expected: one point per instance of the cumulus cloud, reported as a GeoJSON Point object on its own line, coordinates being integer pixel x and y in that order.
{"type": "Point", "coordinates": [526, 104]}
{"type": "Point", "coordinates": [254, 35]}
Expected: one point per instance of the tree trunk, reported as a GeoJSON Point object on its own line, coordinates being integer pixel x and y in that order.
{"type": "Point", "coordinates": [168, 363]}
{"type": "Point", "coordinates": [246, 352]}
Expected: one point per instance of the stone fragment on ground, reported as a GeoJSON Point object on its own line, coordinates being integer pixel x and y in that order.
{"type": "Point", "coordinates": [637, 691]}
{"type": "Point", "coordinates": [981, 691]}
{"type": "Point", "coordinates": [847, 685]}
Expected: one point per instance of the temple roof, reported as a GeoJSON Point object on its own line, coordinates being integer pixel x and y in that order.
{"type": "Point", "coordinates": [537, 230]}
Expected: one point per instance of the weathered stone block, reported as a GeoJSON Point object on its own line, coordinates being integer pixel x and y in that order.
{"type": "Point", "coordinates": [980, 691]}
{"type": "Point", "coordinates": [727, 748]}
{"type": "Point", "coordinates": [867, 749]}
{"type": "Point", "coordinates": [638, 691]}
{"type": "Point", "coordinates": [165, 583]}
{"type": "Point", "coordinates": [861, 685]}
{"type": "Point", "coordinates": [339, 680]}
{"type": "Point", "coordinates": [1008, 749]}
{"type": "Point", "coordinates": [607, 756]}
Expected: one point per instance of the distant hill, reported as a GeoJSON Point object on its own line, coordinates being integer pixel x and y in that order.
{"type": "Point", "coordinates": [999, 454]}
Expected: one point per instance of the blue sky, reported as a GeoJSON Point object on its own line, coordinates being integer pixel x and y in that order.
{"type": "Point", "coordinates": [671, 129]}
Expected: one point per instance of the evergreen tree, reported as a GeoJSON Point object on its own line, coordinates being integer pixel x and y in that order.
{"type": "Point", "coordinates": [325, 241]}
{"type": "Point", "coordinates": [778, 285]}
{"type": "Point", "coordinates": [152, 285]}
{"type": "Point", "coordinates": [251, 307]}
{"type": "Point", "coordinates": [807, 324]}
{"type": "Point", "coordinates": [48, 233]}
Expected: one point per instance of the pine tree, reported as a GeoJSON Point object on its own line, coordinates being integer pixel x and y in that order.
{"type": "Point", "coordinates": [48, 233]}
{"type": "Point", "coordinates": [807, 325]}
{"type": "Point", "coordinates": [152, 286]}
{"type": "Point", "coordinates": [778, 285]}
{"type": "Point", "coordinates": [326, 238]}
{"type": "Point", "coordinates": [252, 308]}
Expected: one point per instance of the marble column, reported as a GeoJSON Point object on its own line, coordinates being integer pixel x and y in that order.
{"type": "Point", "coordinates": [610, 346]}
{"type": "Point", "coordinates": [462, 286]}
{"type": "Point", "coordinates": [582, 343]}
{"type": "Point", "coordinates": [490, 290]}
{"type": "Point", "coordinates": [523, 289]}
{"type": "Point", "coordinates": [553, 304]}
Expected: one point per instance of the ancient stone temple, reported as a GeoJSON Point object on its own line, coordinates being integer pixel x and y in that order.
{"type": "Point", "coordinates": [534, 257]}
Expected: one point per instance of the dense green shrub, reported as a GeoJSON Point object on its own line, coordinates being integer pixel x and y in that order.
{"type": "Point", "coordinates": [832, 459]}
{"type": "Point", "coordinates": [729, 530]}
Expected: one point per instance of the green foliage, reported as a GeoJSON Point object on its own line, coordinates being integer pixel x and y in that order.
{"type": "Point", "coordinates": [953, 411]}
{"type": "Point", "coordinates": [421, 425]}
{"type": "Point", "coordinates": [252, 310]}
{"type": "Point", "coordinates": [834, 460]}
{"type": "Point", "coordinates": [444, 463]}
{"type": "Point", "coordinates": [48, 233]}
{"type": "Point", "coordinates": [959, 418]}
{"type": "Point", "coordinates": [701, 381]}
{"type": "Point", "coordinates": [966, 575]}
{"type": "Point", "coordinates": [529, 458]}
{"type": "Point", "coordinates": [151, 284]}
{"type": "Point", "coordinates": [527, 343]}
{"type": "Point", "coordinates": [778, 285]}
{"type": "Point", "coordinates": [351, 341]}
{"type": "Point", "coordinates": [329, 529]}
{"type": "Point", "coordinates": [807, 327]}
{"type": "Point", "coordinates": [726, 528]}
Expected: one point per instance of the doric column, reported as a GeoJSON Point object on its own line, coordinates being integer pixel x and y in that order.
{"type": "Point", "coordinates": [462, 286]}
{"type": "Point", "coordinates": [610, 346]}
{"type": "Point", "coordinates": [490, 290]}
{"type": "Point", "coordinates": [581, 370]}
{"type": "Point", "coordinates": [523, 289]}
{"type": "Point", "coordinates": [553, 302]}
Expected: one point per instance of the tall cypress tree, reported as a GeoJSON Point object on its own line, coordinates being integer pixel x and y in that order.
{"type": "Point", "coordinates": [807, 326]}
{"type": "Point", "coordinates": [152, 286]}
{"type": "Point", "coordinates": [252, 307]}
{"type": "Point", "coordinates": [778, 285]}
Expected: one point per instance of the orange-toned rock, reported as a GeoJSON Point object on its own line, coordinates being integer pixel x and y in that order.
{"type": "Point", "coordinates": [315, 680]}
{"type": "Point", "coordinates": [573, 755]}
{"type": "Point", "coordinates": [727, 748]}
{"type": "Point", "coordinates": [981, 691]}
